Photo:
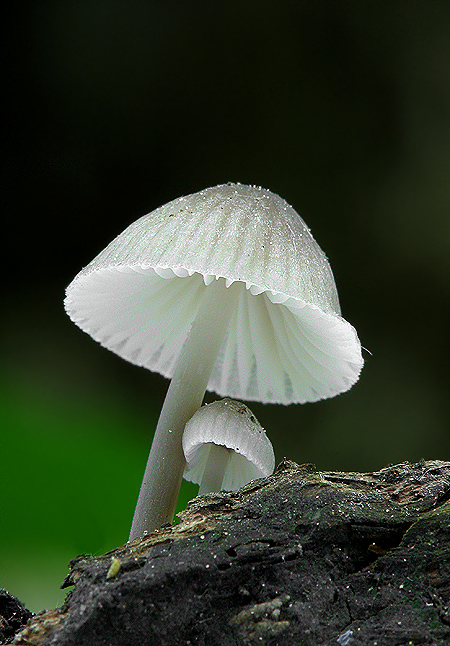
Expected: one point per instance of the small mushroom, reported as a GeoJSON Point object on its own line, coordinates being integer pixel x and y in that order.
{"type": "Point", "coordinates": [226, 447]}
{"type": "Point", "coordinates": [225, 290]}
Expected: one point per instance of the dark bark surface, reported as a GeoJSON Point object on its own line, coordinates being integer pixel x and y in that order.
{"type": "Point", "coordinates": [303, 557]}
{"type": "Point", "coordinates": [13, 615]}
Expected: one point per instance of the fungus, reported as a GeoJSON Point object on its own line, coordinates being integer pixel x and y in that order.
{"type": "Point", "coordinates": [225, 290]}
{"type": "Point", "coordinates": [225, 447]}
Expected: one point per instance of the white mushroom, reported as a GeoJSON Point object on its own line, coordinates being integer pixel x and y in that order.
{"type": "Point", "coordinates": [224, 290]}
{"type": "Point", "coordinates": [226, 447]}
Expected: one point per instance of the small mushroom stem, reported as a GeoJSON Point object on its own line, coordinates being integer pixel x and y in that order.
{"type": "Point", "coordinates": [214, 473]}
{"type": "Point", "coordinates": [162, 478]}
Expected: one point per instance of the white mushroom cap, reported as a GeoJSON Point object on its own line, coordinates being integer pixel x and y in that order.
{"type": "Point", "coordinates": [286, 342]}
{"type": "Point", "coordinates": [230, 424]}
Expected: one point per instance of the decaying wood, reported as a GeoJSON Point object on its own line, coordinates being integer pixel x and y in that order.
{"type": "Point", "coordinates": [303, 557]}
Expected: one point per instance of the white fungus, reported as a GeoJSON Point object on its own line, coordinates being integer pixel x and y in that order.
{"type": "Point", "coordinates": [224, 290]}
{"type": "Point", "coordinates": [226, 447]}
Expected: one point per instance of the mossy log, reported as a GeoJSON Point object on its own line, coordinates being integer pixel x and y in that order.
{"type": "Point", "coordinates": [303, 557]}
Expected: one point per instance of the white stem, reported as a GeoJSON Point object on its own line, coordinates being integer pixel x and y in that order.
{"type": "Point", "coordinates": [214, 473]}
{"type": "Point", "coordinates": [162, 478]}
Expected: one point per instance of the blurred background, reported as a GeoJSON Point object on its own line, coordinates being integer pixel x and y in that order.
{"type": "Point", "coordinates": [114, 108]}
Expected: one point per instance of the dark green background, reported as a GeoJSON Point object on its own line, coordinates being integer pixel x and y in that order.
{"type": "Point", "coordinates": [113, 108]}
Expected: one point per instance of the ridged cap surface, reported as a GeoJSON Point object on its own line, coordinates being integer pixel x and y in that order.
{"type": "Point", "coordinates": [287, 341]}
{"type": "Point", "coordinates": [231, 424]}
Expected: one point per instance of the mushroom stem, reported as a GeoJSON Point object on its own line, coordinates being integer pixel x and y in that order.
{"type": "Point", "coordinates": [162, 478]}
{"type": "Point", "coordinates": [216, 466]}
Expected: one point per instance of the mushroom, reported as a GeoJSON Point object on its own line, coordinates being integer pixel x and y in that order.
{"type": "Point", "coordinates": [225, 290]}
{"type": "Point", "coordinates": [226, 447]}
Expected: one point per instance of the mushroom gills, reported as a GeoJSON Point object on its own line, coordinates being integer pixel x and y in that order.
{"type": "Point", "coordinates": [216, 466]}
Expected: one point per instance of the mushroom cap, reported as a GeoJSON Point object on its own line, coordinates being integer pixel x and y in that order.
{"type": "Point", "coordinates": [287, 342]}
{"type": "Point", "coordinates": [231, 424]}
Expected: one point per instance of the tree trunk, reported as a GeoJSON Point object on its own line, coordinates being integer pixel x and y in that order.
{"type": "Point", "coordinates": [303, 557]}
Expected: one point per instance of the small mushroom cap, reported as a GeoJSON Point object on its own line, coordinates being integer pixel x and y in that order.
{"type": "Point", "coordinates": [231, 424]}
{"type": "Point", "coordinates": [286, 342]}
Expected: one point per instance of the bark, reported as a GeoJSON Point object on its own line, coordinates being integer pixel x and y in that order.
{"type": "Point", "coordinates": [303, 557]}
{"type": "Point", "coordinates": [13, 616]}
